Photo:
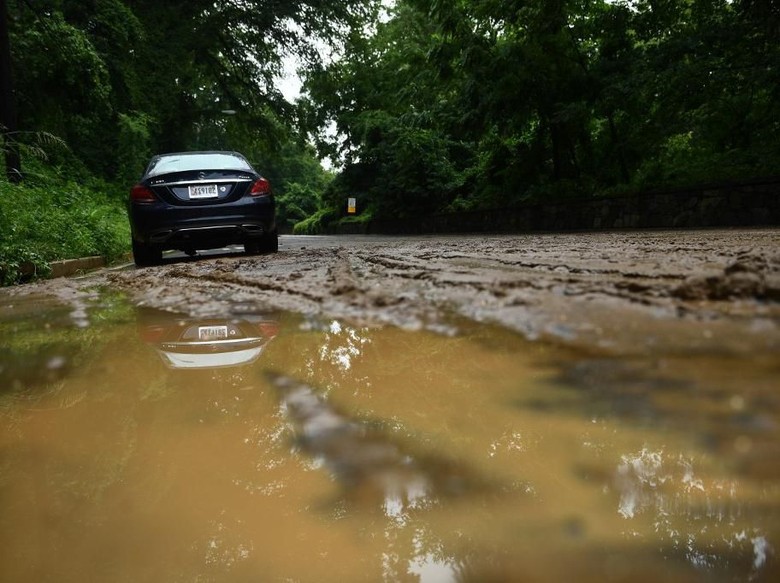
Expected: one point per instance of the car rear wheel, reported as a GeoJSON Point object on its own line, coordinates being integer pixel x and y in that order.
{"type": "Point", "coordinates": [252, 246]}
{"type": "Point", "coordinates": [270, 243]}
{"type": "Point", "coordinates": [265, 244]}
{"type": "Point", "coordinates": [145, 255]}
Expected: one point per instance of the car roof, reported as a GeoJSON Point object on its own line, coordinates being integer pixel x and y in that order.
{"type": "Point", "coordinates": [200, 153]}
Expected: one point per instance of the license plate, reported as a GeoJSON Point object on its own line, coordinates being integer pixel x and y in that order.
{"type": "Point", "coordinates": [207, 333]}
{"type": "Point", "coordinates": [203, 191]}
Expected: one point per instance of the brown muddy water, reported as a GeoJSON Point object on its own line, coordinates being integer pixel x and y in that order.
{"type": "Point", "coordinates": [143, 446]}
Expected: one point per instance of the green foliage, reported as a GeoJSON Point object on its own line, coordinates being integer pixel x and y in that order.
{"type": "Point", "coordinates": [357, 219]}
{"type": "Point", "coordinates": [63, 84]}
{"type": "Point", "coordinates": [17, 261]}
{"type": "Point", "coordinates": [43, 223]}
{"type": "Point", "coordinates": [119, 81]}
{"type": "Point", "coordinates": [391, 112]}
{"type": "Point", "coordinates": [296, 176]}
{"type": "Point", "coordinates": [456, 105]}
{"type": "Point", "coordinates": [442, 105]}
{"type": "Point", "coordinates": [31, 144]}
{"type": "Point", "coordinates": [296, 203]}
{"type": "Point", "coordinates": [315, 224]}
{"type": "Point", "coordinates": [134, 149]}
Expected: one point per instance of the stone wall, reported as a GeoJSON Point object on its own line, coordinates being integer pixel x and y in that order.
{"type": "Point", "coordinates": [744, 204]}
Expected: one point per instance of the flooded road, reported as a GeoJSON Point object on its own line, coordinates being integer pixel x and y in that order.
{"type": "Point", "coordinates": [144, 445]}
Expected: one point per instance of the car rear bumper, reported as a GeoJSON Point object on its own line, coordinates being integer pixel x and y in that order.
{"type": "Point", "coordinates": [166, 226]}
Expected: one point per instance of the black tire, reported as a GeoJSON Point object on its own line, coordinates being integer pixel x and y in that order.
{"type": "Point", "coordinates": [144, 255]}
{"type": "Point", "coordinates": [265, 244]}
{"type": "Point", "coordinates": [270, 243]}
{"type": "Point", "coordinates": [252, 246]}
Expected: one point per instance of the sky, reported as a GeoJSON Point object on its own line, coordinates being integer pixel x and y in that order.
{"type": "Point", "coordinates": [290, 83]}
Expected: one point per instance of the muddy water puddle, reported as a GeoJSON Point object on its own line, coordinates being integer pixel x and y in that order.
{"type": "Point", "coordinates": [138, 445]}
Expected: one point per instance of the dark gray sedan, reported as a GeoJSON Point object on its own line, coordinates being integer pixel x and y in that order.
{"type": "Point", "coordinates": [201, 200]}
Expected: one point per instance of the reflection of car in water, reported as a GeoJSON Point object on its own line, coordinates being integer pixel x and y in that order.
{"type": "Point", "coordinates": [192, 343]}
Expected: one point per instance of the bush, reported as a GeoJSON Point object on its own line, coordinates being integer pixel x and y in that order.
{"type": "Point", "coordinates": [315, 224]}
{"type": "Point", "coordinates": [40, 224]}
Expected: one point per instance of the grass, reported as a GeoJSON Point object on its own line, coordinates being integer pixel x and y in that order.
{"type": "Point", "coordinates": [47, 219]}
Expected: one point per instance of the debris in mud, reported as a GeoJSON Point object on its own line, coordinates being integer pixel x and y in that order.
{"type": "Point", "coordinates": [749, 277]}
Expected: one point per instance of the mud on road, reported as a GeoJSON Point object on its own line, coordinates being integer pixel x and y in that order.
{"type": "Point", "coordinates": [617, 292]}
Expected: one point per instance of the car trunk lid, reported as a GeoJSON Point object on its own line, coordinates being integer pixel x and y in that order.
{"type": "Point", "coordinates": [201, 187]}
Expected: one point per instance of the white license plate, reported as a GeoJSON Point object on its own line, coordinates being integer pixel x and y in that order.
{"type": "Point", "coordinates": [203, 191]}
{"type": "Point", "coordinates": [207, 333]}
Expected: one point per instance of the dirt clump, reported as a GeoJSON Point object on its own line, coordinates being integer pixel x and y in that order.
{"type": "Point", "coordinates": [750, 276]}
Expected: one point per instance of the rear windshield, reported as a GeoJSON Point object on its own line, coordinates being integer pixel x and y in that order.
{"type": "Point", "coordinates": [183, 162]}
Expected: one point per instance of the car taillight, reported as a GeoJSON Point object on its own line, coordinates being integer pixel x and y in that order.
{"type": "Point", "coordinates": [261, 187]}
{"type": "Point", "coordinates": [268, 329]}
{"type": "Point", "coordinates": [141, 193]}
{"type": "Point", "coordinates": [151, 333]}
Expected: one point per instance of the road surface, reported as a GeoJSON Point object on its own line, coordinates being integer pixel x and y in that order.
{"type": "Point", "coordinates": [617, 292]}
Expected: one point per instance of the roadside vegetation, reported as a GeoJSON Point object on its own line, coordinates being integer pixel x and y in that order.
{"type": "Point", "coordinates": [50, 217]}
{"type": "Point", "coordinates": [422, 106]}
{"type": "Point", "coordinates": [99, 86]}
{"type": "Point", "coordinates": [461, 105]}
{"type": "Point", "coordinates": [36, 358]}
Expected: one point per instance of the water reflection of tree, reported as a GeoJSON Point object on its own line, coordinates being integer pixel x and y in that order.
{"type": "Point", "coordinates": [336, 356]}
{"type": "Point", "coordinates": [328, 356]}
{"type": "Point", "coordinates": [696, 523]}
{"type": "Point", "coordinates": [704, 520]}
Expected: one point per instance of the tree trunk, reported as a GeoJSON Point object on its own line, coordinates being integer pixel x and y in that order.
{"type": "Point", "coordinates": [8, 126]}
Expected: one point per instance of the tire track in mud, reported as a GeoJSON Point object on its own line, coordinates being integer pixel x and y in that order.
{"type": "Point", "coordinates": [485, 279]}
{"type": "Point", "coordinates": [213, 287]}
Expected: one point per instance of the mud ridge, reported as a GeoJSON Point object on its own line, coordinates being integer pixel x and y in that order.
{"type": "Point", "coordinates": [604, 292]}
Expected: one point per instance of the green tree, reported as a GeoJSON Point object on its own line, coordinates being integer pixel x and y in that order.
{"type": "Point", "coordinates": [456, 104]}
{"type": "Point", "coordinates": [7, 103]}
{"type": "Point", "coordinates": [90, 71]}
{"type": "Point", "coordinates": [388, 107]}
